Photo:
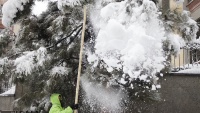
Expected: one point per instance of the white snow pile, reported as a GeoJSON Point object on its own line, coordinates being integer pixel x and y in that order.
{"type": "Point", "coordinates": [11, 91]}
{"type": "Point", "coordinates": [191, 69]}
{"type": "Point", "coordinates": [9, 10]}
{"type": "Point", "coordinates": [129, 38]}
{"type": "Point", "coordinates": [31, 60]}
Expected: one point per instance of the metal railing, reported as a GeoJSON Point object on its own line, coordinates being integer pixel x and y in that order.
{"type": "Point", "coordinates": [189, 57]}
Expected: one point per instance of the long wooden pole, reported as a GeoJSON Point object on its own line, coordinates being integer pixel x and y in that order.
{"type": "Point", "coordinates": [80, 58]}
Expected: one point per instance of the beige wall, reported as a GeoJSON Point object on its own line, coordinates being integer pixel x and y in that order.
{"type": "Point", "coordinates": [181, 60]}
{"type": "Point", "coordinates": [2, 1]}
{"type": "Point", "coordinates": [193, 7]}
{"type": "Point", "coordinates": [196, 14]}
{"type": "Point", "coordinates": [6, 102]}
{"type": "Point", "coordinates": [16, 28]}
{"type": "Point", "coordinates": [175, 6]}
{"type": "Point", "coordinates": [185, 4]}
{"type": "Point", "coordinates": [171, 5]}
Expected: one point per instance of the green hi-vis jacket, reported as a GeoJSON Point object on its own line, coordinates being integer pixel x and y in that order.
{"type": "Point", "coordinates": [56, 105]}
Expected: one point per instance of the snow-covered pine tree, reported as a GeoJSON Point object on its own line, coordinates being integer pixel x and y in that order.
{"type": "Point", "coordinates": [6, 40]}
{"type": "Point", "coordinates": [45, 52]}
{"type": "Point", "coordinates": [123, 48]}
{"type": "Point", "coordinates": [180, 28]}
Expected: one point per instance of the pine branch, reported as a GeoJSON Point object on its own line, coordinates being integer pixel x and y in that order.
{"type": "Point", "coordinates": [72, 38]}
{"type": "Point", "coordinates": [59, 41]}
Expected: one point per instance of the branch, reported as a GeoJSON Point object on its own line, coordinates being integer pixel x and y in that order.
{"type": "Point", "coordinates": [71, 40]}
{"type": "Point", "coordinates": [16, 54]}
{"type": "Point", "coordinates": [59, 41]}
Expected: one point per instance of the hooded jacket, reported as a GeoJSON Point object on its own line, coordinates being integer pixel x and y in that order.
{"type": "Point", "coordinates": [56, 105]}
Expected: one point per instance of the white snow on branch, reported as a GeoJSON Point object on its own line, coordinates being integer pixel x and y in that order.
{"type": "Point", "coordinates": [9, 10]}
{"type": "Point", "coordinates": [59, 70]}
{"type": "Point", "coordinates": [25, 63]}
{"type": "Point", "coordinates": [197, 40]}
{"type": "Point", "coordinates": [176, 41]}
{"type": "Point", "coordinates": [62, 3]}
{"type": "Point", "coordinates": [39, 7]}
{"type": "Point", "coordinates": [3, 61]}
{"type": "Point", "coordinates": [30, 60]}
{"type": "Point", "coordinates": [190, 27]}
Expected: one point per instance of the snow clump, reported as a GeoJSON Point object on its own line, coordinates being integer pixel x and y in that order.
{"type": "Point", "coordinates": [129, 38]}
{"type": "Point", "coordinates": [9, 10]}
{"type": "Point", "coordinates": [30, 60]}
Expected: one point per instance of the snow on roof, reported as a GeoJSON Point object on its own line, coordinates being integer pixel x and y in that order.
{"type": "Point", "coordinates": [11, 91]}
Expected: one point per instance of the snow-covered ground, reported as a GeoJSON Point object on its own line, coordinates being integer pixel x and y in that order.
{"type": "Point", "coordinates": [11, 91]}
{"type": "Point", "coordinates": [190, 69]}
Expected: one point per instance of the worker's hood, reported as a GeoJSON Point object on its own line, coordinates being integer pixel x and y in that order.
{"type": "Point", "coordinates": [55, 99]}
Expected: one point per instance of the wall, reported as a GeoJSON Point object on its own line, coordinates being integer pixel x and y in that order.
{"type": "Point", "coordinates": [181, 60]}
{"type": "Point", "coordinates": [179, 94]}
{"type": "Point", "coordinates": [194, 8]}
{"type": "Point", "coordinates": [176, 6]}
{"type": "Point", "coordinates": [196, 14]}
{"type": "Point", "coordinates": [6, 102]}
{"type": "Point", "coordinates": [2, 1]}
{"type": "Point", "coordinates": [171, 5]}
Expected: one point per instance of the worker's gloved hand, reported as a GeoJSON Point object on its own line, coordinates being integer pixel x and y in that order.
{"type": "Point", "coordinates": [74, 106]}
